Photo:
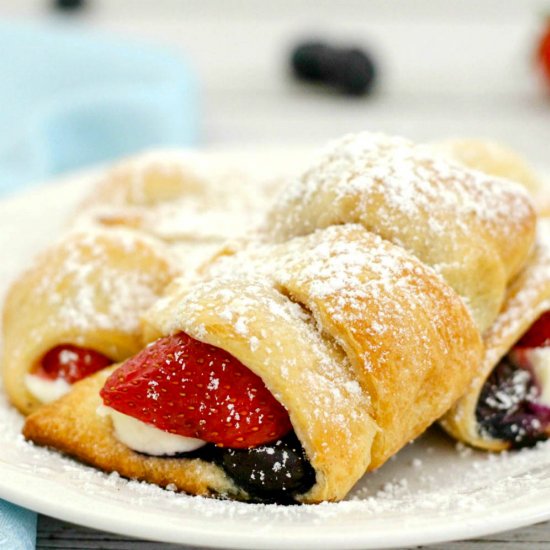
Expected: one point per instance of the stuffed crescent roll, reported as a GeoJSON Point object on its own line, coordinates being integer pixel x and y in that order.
{"type": "Point", "coordinates": [192, 200]}
{"type": "Point", "coordinates": [286, 385]}
{"type": "Point", "coordinates": [508, 404]}
{"type": "Point", "coordinates": [474, 229]}
{"type": "Point", "coordinates": [76, 310]}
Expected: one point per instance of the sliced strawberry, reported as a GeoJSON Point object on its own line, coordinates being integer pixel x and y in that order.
{"type": "Point", "coordinates": [71, 363]}
{"type": "Point", "coordinates": [538, 336]}
{"type": "Point", "coordinates": [193, 389]}
{"type": "Point", "coordinates": [544, 51]}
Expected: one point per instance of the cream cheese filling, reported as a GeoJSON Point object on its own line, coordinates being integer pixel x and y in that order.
{"type": "Point", "coordinates": [44, 389]}
{"type": "Point", "coordinates": [144, 438]}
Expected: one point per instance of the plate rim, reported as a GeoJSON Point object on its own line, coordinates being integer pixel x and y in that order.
{"type": "Point", "coordinates": [255, 539]}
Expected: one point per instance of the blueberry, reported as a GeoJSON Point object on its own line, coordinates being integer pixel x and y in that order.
{"type": "Point", "coordinates": [308, 61]}
{"type": "Point", "coordinates": [270, 473]}
{"type": "Point", "coordinates": [507, 408]}
{"type": "Point", "coordinates": [349, 69]}
{"type": "Point", "coordinates": [69, 4]}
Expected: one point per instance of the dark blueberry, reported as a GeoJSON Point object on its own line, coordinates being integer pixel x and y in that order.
{"type": "Point", "coordinates": [507, 408]}
{"type": "Point", "coordinates": [270, 473]}
{"type": "Point", "coordinates": [69, 4]}
{"type": "Point", "coordinates": [349, 69]}
{"type": "Point", "coordinates": [307, 60]}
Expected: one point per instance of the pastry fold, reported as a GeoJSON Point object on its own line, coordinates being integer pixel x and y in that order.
{"type": "Point", "coordinates": [183, 197]}
{"type": "Point", "coordinates": [87, 290]}
{"type": "Point", "coordinates": [474, 229]}
{"type": "Point", "coordinates": [492, 158]}
{"type": "Point", "coordinates": [527, 299]}
{"type": "Point", "coordinates": [364, 345]}
{"type": "Point", "coordinates": [193, 201]}
{"type": "Point", "coordinates": [498, 160]}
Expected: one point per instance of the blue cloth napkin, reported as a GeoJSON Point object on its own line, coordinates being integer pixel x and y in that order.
{"type": "Point", "coordinates": [70, 99]}
{"type": "Point", "coordinates": [17, 527]}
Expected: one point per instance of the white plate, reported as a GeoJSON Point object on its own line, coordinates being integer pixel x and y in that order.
{"type": "Point", "coordinates": [432, 491]}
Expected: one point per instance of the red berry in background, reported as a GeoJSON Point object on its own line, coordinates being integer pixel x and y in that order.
{"type": "Point", "coordinates": [538, 336]}
{"type": "Point", "coordinates": [544, 52]}
{"type": "Point", "coordinates": [186, 387]}
{"type": "Point", "coordinates": [71, 363]}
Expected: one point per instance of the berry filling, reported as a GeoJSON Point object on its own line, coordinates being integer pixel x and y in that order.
{"type": "Point", "coordinates": [538, 336]}
{"type": "Point", "coordinates": [270, 473]}
{"type": "Point", "coordinates": [70, 363]}
{"type": "Point", "coordinates": [191, 389]}
{"type": "Point", "coordinates": [514, 404]}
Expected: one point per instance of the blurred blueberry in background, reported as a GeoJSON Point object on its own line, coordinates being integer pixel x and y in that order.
{"type": "Point", "coordinates": [351, 70]}
{"type": "Point", "coordinates": [70, 99]}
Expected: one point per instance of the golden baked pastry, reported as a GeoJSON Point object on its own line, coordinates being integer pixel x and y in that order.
{"type": "Point", "coordinates": [492, 158]}
{"type": "Point", "coordinates": [194, 201]}
{"type": "Point", "coordinates": [474, 229]}
{"type": "Point", "coordinates": [501, 161]}
{"type": "Point", "coordinates": [72, 425]}
{"type": "Point", "coordinates": [507, 404]}
{"type": "Point", "coordinates": [362, 344]}
{"type": "Point", "coordinates": [80, 301]}
{"type": "Point", "coordinates": [357, 341]}
{"type": "Point", "coordinates": [182, 196]}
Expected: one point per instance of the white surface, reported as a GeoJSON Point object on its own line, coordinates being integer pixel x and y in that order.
{"type": "Point", "coordinates": [432, 491]}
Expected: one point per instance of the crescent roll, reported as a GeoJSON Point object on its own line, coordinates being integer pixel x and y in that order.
{"type": "Point", "coordinates": [194, 201]}
{"type": "Point", "coordinates": [362, 345]}
{"type": "Point", "coordinates": [498, 160]}
{"type": "Point", "coordinates": [474, 229]}
{"type": "Point", "coordinates": [492, 158]}
{"type": "Point", "coordinates": [81, 298]}
{"type": "Point", "coordinates": [508, 402]}
{"type": "Point", "coordinates": [182, 196]}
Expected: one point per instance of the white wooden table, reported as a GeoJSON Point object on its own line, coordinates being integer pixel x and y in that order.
{"type": "Point", "coordinates": [460, 67]}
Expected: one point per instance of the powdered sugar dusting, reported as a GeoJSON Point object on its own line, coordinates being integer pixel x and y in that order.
{"type": "Point", "coordinates": [414, 182]}
{"type": "Point", "coordinates": [332, 265]}
{"type": "Point", "coordinates": [89, 269]}
{"type": "Point", "coordinates": [427, 483]}
{"type": "Point", "coordinates": [430, 480]}
{"type": "Point", "coordinates": [193, 200]}
{"type": "Point", "coordinates": [452, 218]}
{"type": "Point", "coordinates": [536, 285]}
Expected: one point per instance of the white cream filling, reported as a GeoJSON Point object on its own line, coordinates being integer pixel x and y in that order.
{"type": "Point", "coordinates": [144, 438]}
{"type": "Point", "coordinates": [44, 389]}
{"type": "Point", "coordinates": [540, 360]}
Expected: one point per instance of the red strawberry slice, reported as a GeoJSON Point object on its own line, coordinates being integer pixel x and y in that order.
{"type": "Point", "coordinates": [538, 336]}
{"type": "Point", "coordinates": [193, 389]}
{"type": "Point", "coordinates": [544, 51]}
{"type": "Point", "coordinates": [72, 363]}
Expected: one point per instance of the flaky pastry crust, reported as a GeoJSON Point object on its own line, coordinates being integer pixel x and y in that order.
{"type": "Point", "coordinates": [474, 229]}
{"type": "Point", "coordinates": [527, 299]}
{"type": "Point", "coordinates": [87, 290]}
{"type": "Point", "coordinates": [72, 426]}
{"type": "Point", "coordinates": [327, 322]}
